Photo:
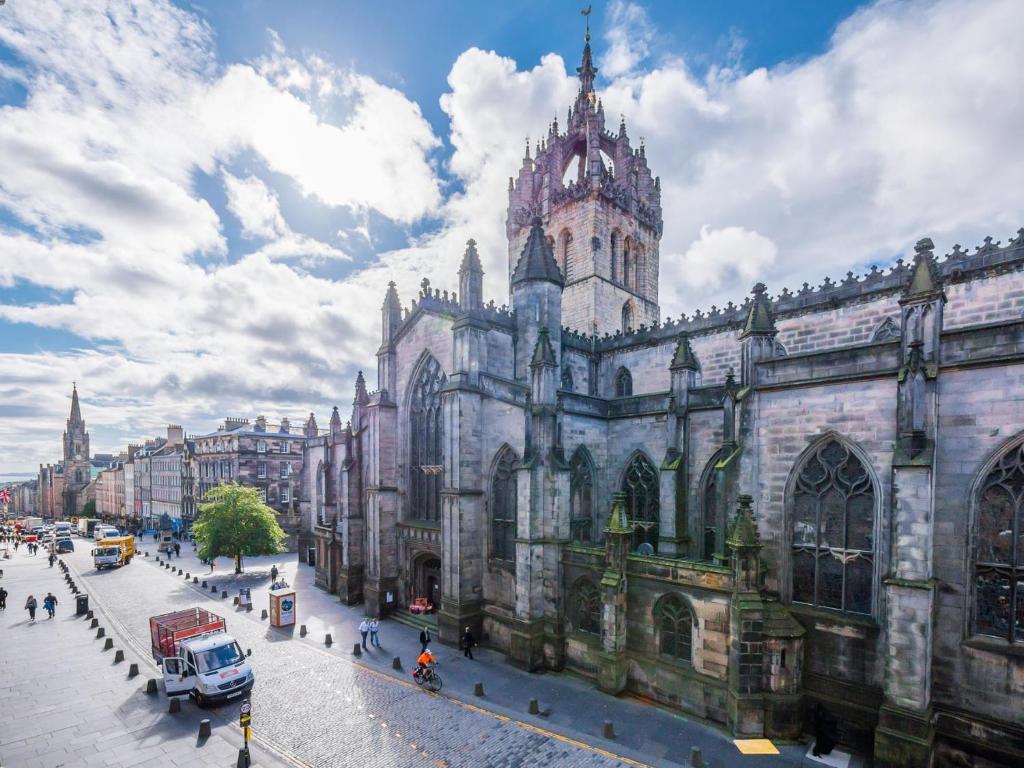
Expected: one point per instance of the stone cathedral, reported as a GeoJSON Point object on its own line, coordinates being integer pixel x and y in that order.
{"type": "Point", "coordinates": [812, 502]}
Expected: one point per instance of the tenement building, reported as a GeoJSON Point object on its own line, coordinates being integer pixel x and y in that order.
{"type": "Point", "coordinates": [812, 501]}
{"type": "Point", "coordinates": [257, 455]}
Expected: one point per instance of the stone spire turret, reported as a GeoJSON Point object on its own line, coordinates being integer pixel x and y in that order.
{"type": "Point", "coordinates": [757, 339]}
{"type": "Point", "coordinates": [471, 278]}
{"type": "Point", "coordinates": [391, 313]}
{"type": "Point", "coordinates": [309, 429]}
{"type": "Point", "coordinates": [537, 260]}
{"type": "Point", "coordinates": [362, 398]}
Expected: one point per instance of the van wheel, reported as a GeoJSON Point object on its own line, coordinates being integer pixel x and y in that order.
{"type": "Point", "coordinates": [201, 701]}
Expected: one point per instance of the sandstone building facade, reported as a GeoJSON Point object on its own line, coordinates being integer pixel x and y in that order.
{"type": "Point", "coordinates": [812, 499]}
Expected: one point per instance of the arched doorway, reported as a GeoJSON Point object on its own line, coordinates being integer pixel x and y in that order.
{"type": "Point", "coordinates": [426, 581]}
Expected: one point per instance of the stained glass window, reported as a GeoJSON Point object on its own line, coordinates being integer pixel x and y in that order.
{"type": "Point", "coordinates": [999, 550]}
{"type": "Point", "coordinates": [833, 531]}
{"type": "Point", "coordinates": [640, 485]}
{"type": "Point", "coordinates": [586, 608]}
{"type": "Point", "coordinates": [581, 496]}
{"type": "Point", "coordinates": [675, 628]}
{"type": "Point", "coordinates": [504, 506]}
{"type": "Point", "coordinates": [426, 456]}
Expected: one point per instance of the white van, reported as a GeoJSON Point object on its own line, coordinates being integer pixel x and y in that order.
{"type": "Point", "coordinates": [105, 532]}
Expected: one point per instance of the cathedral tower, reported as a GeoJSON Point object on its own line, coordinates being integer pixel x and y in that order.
{"type": "Point", "coordinates": [601, 212]}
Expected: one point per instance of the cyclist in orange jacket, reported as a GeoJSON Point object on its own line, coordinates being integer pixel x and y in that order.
{"type": "Point", "coordinates": [424, 661]}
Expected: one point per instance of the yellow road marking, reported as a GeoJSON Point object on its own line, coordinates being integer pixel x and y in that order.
{"type": "Point", "coordinates": [755, 746]}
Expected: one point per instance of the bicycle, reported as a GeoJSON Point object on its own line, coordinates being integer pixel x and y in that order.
{"type": "Point", "coordinates": [428, 678]}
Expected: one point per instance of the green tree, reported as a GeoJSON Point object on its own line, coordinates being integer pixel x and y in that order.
{"type": "Point", "coordinates": [235, 523]}
{"type": "Point", "coordinates": [89, 509]}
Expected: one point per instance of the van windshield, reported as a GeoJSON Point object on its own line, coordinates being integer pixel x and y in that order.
{"type": "Point", "coordinates": [106, 551]}
{"type": "Point", "coordinates": [215, 658]}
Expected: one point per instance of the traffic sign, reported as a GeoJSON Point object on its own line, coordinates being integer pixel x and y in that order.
{"type": "Point", "coordinates": [245, 713]}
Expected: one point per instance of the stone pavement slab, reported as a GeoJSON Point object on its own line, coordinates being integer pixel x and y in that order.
{"type": "Point", "coordinates": [64, 702]}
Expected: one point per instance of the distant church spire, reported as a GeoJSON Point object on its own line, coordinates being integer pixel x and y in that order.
{"type": "Point", "coordinates": [76, 410]}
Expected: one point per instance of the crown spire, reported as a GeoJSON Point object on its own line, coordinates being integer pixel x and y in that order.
{"type": "Point", "coordinates": [587, 70]}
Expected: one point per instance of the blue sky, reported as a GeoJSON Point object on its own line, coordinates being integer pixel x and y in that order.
{"type": "Point", "coordinates": [201, 222]}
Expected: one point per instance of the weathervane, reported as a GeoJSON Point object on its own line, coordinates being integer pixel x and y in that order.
{"type": "Point", "coordinates": [586, 14]}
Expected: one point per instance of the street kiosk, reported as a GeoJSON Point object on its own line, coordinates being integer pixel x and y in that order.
{"type": "Point", "coordinates": [282, 607]}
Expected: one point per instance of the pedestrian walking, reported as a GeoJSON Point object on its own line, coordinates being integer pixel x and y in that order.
{"type": "Point", "coordinates": [468, 641]}
{"type": "Point", "coordinates": [424, 639]}
{"type": "Point", "coordinates": [177, 549]}
{"type": "Point", "coordinates": [52, 558]}
{"type": "Point", "coordinates": [273, 574]}
{"type": "Point", "coordinates": [364, 630]}
{"type": "Point", "coordinates": [3, 599]}
{"type": "Point", "coordinates": [213, 564]}
{"type": "Point", "coordinates": [30, 606]}
{"type": "Point", "coordinates": [16, 545]}
{"type": "Point", "coordinates": [375, 632]}
{"type": "Point", "coordinates": [50, 604]}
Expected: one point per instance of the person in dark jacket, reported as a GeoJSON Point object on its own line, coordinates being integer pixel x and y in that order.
{"type": "Point", "coordinates": [424, 639]}
{"type": "Point", "coordinates": [468, 641]}
{"type": "Point", "coordinates": [30, 606]}
{"type": "Point", "coordinates": [50, 604]}
{"type": "Point", "coordinates": [3, 599]}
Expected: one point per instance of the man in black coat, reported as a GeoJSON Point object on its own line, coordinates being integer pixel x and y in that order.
{"type": "Point", "coordinates": [424, 639]}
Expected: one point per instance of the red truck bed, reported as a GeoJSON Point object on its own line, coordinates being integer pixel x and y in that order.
{"type": "Point", "coordinates": [168, 630]}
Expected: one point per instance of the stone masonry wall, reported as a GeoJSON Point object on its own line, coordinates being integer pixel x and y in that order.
{"type": "Point", "coordinates": [993, 299]}
{"type": "Point", "coordinates": [841, 327]}
{"type": "Point", "coordinates": [981, 410]}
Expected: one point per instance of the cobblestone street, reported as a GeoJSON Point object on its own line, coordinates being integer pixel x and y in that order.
{"type": "Point", "coordinates": [315, 704]}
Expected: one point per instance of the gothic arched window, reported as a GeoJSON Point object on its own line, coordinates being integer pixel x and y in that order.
{"type": "Point", "coordinates": [504, 505]}
{"type": "Point", "coordinates": [627, 317]}
{"type": "Point", "coordinates": [640, 484]}
{"type": "Point", "coordinates": [567, 382]}
{"type": "Point", "coordinates": [675, 628]}
{"type": "Point", "coordinates": [321, 492]}
{"type": "Point", "coordinates": [566, 252]}
{"type": "Point", "coordinates": [999, 550]}
{"type": "Point", "coordinates": [581, 496]}
{"type": "Point", "coordinates": [833, 530]}
{"type": "Point", "coordinates": [586, 607]}
{"type": "Point", "coordinates": [426, 456]}
{"type": "Point", "coordinates": [623, 383]}
{"type": "Point", "coordinates": [627, 262]}
{"type": "Point", "coordinates": [614, 254]}
{"type": "Point", "coordinates": [709, 508]}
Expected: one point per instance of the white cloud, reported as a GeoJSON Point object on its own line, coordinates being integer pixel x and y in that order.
{"type": "Point", "coordinates": [255, 206]}
{"type": "Point", "coordinates": [628, 33]}
{"type": "Point", "coordinates": [719, 252]}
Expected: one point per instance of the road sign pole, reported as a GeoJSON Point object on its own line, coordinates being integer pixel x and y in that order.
{"type": "Point", "coordinates": [244, 718]}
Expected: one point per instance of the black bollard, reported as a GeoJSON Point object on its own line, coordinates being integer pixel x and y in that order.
{"type": "Point", "coordinates": [608, 730]}
{"type": "Point", "coordinates": [108, 644]}
{"type": "Point", "coordinates": [696, 758]}
{"type": "Point", "coordinates": [357, 650]}
{"type": "Point", "coordinates": [133, 670]}
{"type": "Point", "coordinates": [204, 729]}
{"type": "Point", "coordinates": [478, 689]}
{"type": "Point", "coordinates": [100, 633]}
{"type": "Point", "coordinates": [302, 631]}
{"type": "Point", "coordinates": [328, 640]}
{"type": "Point", "coordinates": [396, 663]}
{"type": "Point", "coordinates": [534, 708]}
{"type": "Point", "coordinates": [174, 706]}
{"type": "Point", "coordinates": [118, 656]}
{"type": "Point", "coordinates": [263, 614]}
{"type": "Point", "coordinates": [151, 686]}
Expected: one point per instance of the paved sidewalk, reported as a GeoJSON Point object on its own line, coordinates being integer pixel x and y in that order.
{"type": "Point", "coordinates": [577, 709]}
{"type": "Point", "coordinates": [64, 702]}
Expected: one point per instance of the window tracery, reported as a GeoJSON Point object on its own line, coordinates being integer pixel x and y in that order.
{"type": "Point", "coordinates": [426, 456]}
{"type": "Point", "coordinates": [833, 531]}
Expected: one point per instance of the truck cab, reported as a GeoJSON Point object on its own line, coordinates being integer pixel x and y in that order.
{"type": "Point", "coordinates": [198, 657]}
{"type": "Point", "coordinates": [211, 668]}
{"type": "Point", "coordinates": [113, 552]}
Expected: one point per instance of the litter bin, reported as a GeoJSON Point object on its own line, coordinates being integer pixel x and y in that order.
{"type": "Point", "coordinates": [81, 604]}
